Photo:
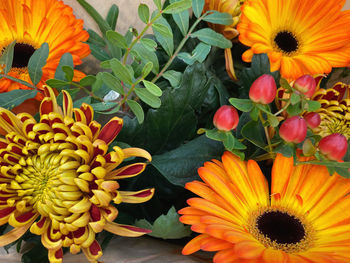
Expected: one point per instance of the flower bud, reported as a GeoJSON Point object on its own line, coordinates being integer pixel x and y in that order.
{"type": "Point", "coordinates": [312, 119]}
{"type": "Point", "coordinates": [293, 129]}
{"type": "Point", "coordinates": [263, 89]}
{"type": "Point", "coordinates": [333, 146]}
{"type": "Point", "coordinates": [226, 118]}
{"type": "Point", "coordinates": [306, 85]}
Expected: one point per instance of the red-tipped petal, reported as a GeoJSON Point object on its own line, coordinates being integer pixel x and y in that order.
{"type": "Point", "coordinates": [111, 130]}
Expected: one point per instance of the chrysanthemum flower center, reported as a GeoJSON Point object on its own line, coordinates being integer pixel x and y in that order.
{"type": "Point", "coordinates": [22, 54]}
{"type": "Point", "coordinates": [286, 42]}
{"type": "Point", "coordinates": [333, 122]}
{"type": "Point", "coordinates": [280, 229]}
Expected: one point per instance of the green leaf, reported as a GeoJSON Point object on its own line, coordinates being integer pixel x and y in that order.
{"type": "Point", "coordinates": [95, 39]}
{"type": "Point", "coordinates": [7, 56]}
{"type": "Point", "coordinates": [87, 81]}
{"type": "Point", "coordinates": [162, 29]}
{"type": "Point", "coordinates": [197, 6]}
{"type": "Point", "coordinates": [116, 39]}
{"type": "Point", "coordinates": [66, 60]}
{"type": "Point", "coordinates": [273, 120]}
{"type": "Point", "coordinates": [158, 4]}
{"type": "Point", "coordinates": [294, 98]}
{"type": "Point", "coordinates": [178, 7]}
{"type": "Point", "coordinates": [36, 62]}
{"type": "Point", "coordinates": [253, 132]}
{"type": "Point", "coordinates": [285, 84]}
{"type": "Point", "coordinates": [147, 69]}
{"type": "Point", "coordinates": [212, 38]}
{"type": "Point", "coordinates": [294, 110]}
{"type": "Point", "coordinates": [166, 226]}
{"type": "Point", "coordinates": [147, 97]}
{"type": "Point", "coordinates": [219, 18]}
{"type": "Point", "coordinates": [57, 83]}
{"type": "Point", "coordinates": [11, 99]}
{"type": "Point", "coordinates": [69, 73]}
{"type": "Point", "coordinates": [174, 77]}
{"type": "Point", "coordinates": [143, 13]}
{"type": "Point", "coordinates": [181, 19]}
{"type": "Point", "coordinates": [137, 110]}
{"type": "Point", "coordinates": [99, 52]}
{"type": "Point", "coordinates": [180, 165]}
{"type": "Point", "coordinates": [153, 88]}
{"type": "Point", "coordinates": [112, 16]}
{"type": "Point", "coordinates": [103, 106]}
{"type": "Point", "coordinates": [120, 71]}
{"type": "Point", "coordinates": [102, 24]}
{"type": "Point", "coordinates": [244, 105]}
{"type": "Point", "coordinates": [254, 114]}
{"type": "Point", "coordinates": [165, 36]}
{"type": "Point", "coordinates": [150, 44]}
{"type": "Point", "coordinates": [312, 105]}
{"type": "Point", "coordinates": [79, 102]}
{"type": "Point", "coordinates": [286, 149]}
{"type": "Point", "coordinates": [112, 82]}
{"type": "Point", "coordinates": [146, 55]}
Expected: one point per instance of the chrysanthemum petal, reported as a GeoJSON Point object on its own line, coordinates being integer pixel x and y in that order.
{"type": "Point", "coordinates": [125, 230]}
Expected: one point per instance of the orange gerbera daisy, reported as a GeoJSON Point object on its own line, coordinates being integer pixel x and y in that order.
{"type": "Point", "coordinates": [300, 37]}
{"type": "Point", "coordinates": [33, 22]}
{"type": "Point", "coordinates": [304, 220]}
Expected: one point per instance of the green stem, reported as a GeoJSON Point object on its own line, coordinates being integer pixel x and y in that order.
{"type": "Point", "coordinates": [283, 109]}
{"type": "Point", "coordinates": [87, 91]}
{"type": "Point", "coordinates": [130, 91]}
{"type": "Point", "coordinates": [266, 132]}
{"type": "Point", "coordinates": [133, 43]}
{"type": "Point", "coordinates": [182, 43]}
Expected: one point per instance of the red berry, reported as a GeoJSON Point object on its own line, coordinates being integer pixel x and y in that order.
{"type": "Point", "coordinates": [306, 85]}
{"type": "Point", "coordinates": [226, 118]}
{"type": "Point", "coordinates": [312, 119]}
{"type": "Point", "coordinates": [293, 129]}
{"type": "Point", "coordinates": [263, 89]}
{"type": "Point", "coordinates": [333, 146]}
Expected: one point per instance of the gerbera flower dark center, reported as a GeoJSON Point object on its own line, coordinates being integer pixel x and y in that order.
{"type": "Point", "coordinates": [22, 54]}
{"type": "Point", "coordinates": [286, 41]}
{"type": "Point", "coordinates": [280, 227]}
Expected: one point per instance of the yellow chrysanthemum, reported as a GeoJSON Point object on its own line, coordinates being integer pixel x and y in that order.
{"type": "Point", "coordinates": [58, 179]}
{"type": "Point", "coordinates": [300, 37]}
{"type": "Point", "coordinates": [334, 111]}
{"type": "Point", "coordinates": [33, 22]}
{"type": "Point", "coordinates": [303, 220]}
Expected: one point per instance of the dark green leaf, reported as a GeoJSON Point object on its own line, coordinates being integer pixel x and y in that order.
{"type": "Point", "coordinates": [11, 99]}
{"type": "Point", "coordinates": [253, 132]}
{"type": "Point", "coordinates": [254, 114]}
{"type": "Point", "coordinates": [173, 77]}
{"type": "Point", "coordinates": [166, 226]}
{"type": "Point", "coordinates": [56, 83]}
{"type": "Point", "coordinates": [120, 71]}
{"type": "Point", "coordinates": [69, 73]}
{"type": "Point", "coordinates": [112, 16]}
{"type": "Point", "coordinates": [143, 13]}
{"type": "Point", "coordinates": [179, 170]}
{"type": "Point", "coordinates": [103, 106]}
{"type": "Point", "coordinates": [36, 62]}
{"type": "Point", "coordinates": [164, 35]}
{"type": "Point", "coordinates": [219, 18]}
{"type": "Point", "coordinates": [137, 110]}
{"type": "Point", "coordinates": [148, 97]}
{"type": "Point", "coordinates": [112, 82]}
{"type": "Point", "coordinates": [95, 39]}
{"type": "Point", "coordinates": [178, 7]}
{"type": "Point", "coordinates": [116, 39]}
{"type": "Point", "coordinates": [212, 38]}
{"type": "Point", "coordinates": [182, 20]}
{"type": "Point", "coordinates": [87, 81]}
{"type": "Point", "coordinates": [99, 52]}
{"type": "Point", "coordinates": [7, 56]}
{"type": "Point", "coordinates": [244, 105]}
{"type": "Point", "coordinates": [79, 102]}
{"type": "Point", "coordinates": [66, 60]}
{"type": "Point", "coordinates": [285, 84]}
{"type": "Point", "coordinates": [294, 110]}
{"type": "Point", "coordinates": [197, 6]}
{"type": "Point", "coordinates": [286, 149]}
{"type": "Point", "coordinates": [153, 88]}
{"type": "Point", "coordinates": [273, 120]}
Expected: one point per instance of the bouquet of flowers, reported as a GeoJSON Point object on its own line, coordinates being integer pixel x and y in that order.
{"type": "Point", "coordinates": [221, 124]}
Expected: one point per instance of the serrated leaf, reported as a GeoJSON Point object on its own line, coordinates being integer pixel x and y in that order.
{"type": "Point", "coordinates": [87, 81]}
{"type": "Point", "coordinates": [69, 73]}
{"type": "Point", "coordinates": [178, 7]}
{"type": "Point", "coordinates": [153, 88]}
{"type": "Point", "coordinates": [174, 77]}
{"type": "Point", "coordinates": [212, 38]}
{"type": "Point", "coordinates": [13, 98]}
{"type": "Point", "coordinates": [120, 71]}
{"type": "Point", "coordinates": [112, 82]}
{"type": "Point", "coordinates": [147, 69]}
{"type": "Point", "coordinates": [162, 29]}
{"type": "Point", "coordinates": [116, 39]}
{"type": "Point", "coordinates": [245, 105]}
{"type": "Point", "coordinates": [112, 16]}
{"type": "Point", "coordinates": [7, 56]}
{"type": "Point", "coordinates": [143, 12]}
{"type": "Point", "coordinates": [57, 83]}
{"type": "Point", "coordinates": [36, 62]}
{"type": "Point", "coordinates": [181, 19]}
{"type": "Point", "coordinates": [147, 97]}
{"type": "Point", "coordinates": [150, 44]}
{"type": "Point", "coordinates": [137, 110]}
{"type": "Point", "coordinates": [197, 6]}
{"type": "Point", "coordinates": [219, 18]}
{"type": "Point", "coordinates": [166, 226]}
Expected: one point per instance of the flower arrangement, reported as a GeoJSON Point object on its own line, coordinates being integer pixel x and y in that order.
{"type": "Point", "coordinates": [215, 95]}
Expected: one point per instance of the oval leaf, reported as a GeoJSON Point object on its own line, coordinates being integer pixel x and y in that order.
{"type": "Point", "coordinates": [148, 98]}
{"type": "Point", "coordinates": [116, 39]}
{"type": "Point", "coordinates": [153, 88]}
{"type": "Point", "coordinates": [11, 99]}
{"type": "Point", "coordinates": [143, 13]}
{"type": "Point", "coordinates": [36, 62]}
{"type": "Point", "coordinates": [219, 18]}
{"type": "Point", "coordinates": [112, 82]}
{"type": "Point", "coordinates": [120, 71]}
{"type": "Point", "coordinates": [212, 38]}
{"type": "Point", "coordinates": [197, 7]}
{"type": "Point", "coordinates": [137, 110]}
{"type": "Point", "coordinates": [178, 7]}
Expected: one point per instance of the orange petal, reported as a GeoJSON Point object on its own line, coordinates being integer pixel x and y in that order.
{"type": "Point", "coordinates": [274, 256]}
{"type": "Point", "coordinates": [249, 249]}
{"type": "Point", "coordinates": [194, 245]}
{"type": "Point", "coordinates": [13, 235]}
